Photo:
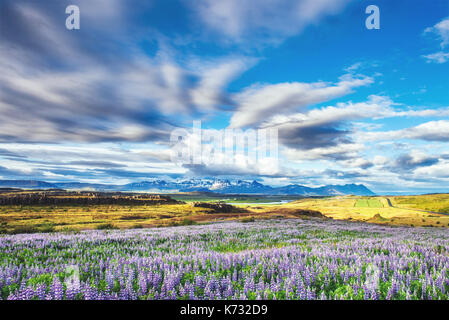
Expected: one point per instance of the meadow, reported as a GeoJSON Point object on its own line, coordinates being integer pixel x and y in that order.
{"type": "Point", "coordinates": [368, 203]}
{"type": "Point", "coordinates": [430, 202]}
{"type": "Point", "coordinates": [266, 259]}
{"type": "Point", "coordinates": [395, 211]}
{"type": "Point", "coordinates": [69, 218]}
{"type": "Point", "coordinates": [29, 219]}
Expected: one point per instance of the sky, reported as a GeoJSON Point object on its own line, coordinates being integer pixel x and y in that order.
{"type": "Point", "coordinates": [350, 104]}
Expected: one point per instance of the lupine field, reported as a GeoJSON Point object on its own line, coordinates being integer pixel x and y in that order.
{"type": "Point", "coordinates": [271, 259]}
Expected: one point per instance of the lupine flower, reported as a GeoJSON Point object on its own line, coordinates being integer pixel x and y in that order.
{"type": "Point", "coordinates": [193, 262]}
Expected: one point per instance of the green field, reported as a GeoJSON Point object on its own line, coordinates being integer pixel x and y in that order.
{"type": "Point", "coordinates": [368, 203]}
{"type": "Point", "coordinates": [429, 202]}
{"type": "Point", "coordinates": [404, 211]}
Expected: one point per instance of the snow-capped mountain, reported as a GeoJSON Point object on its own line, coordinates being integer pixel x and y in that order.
{"type": "Point", "coordinates": [222, 186]}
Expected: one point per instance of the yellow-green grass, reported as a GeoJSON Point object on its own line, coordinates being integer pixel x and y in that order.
{"type": "Point", "coordinates": [61, 218]}
{"type": "Point", "coordinates": [431, 202]}
{"type": "Point", "coordinates": [343, 208]}
{"type": "Point", "coordinates": [21, 219]}
{"type": "Point", "coordinates": [368, 203]}
{"type": "Point", "coordinates": [69, 218]}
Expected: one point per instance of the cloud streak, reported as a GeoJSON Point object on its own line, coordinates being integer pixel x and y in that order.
{"type": "Point", "coordinates": [253, 20]}
{"type": "Point", "coordinates": [437, 131]}
{"type": "Point", "coordinates": [259, 103]}
{"type": "Point", "coordinates": [55, 80]}
{"type": "Point", "coordinates": [441, 30]}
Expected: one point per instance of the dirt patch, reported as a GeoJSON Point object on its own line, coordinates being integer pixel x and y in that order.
{"type": "Point", "coordinates": [376, 218]}
{"type": "Point", "coordinates": [133, 217]}
{"type": "Point", "coordinates": [164, 216]}
{"type": "Point", "coordinates": [219, 216]}
{"type": "Point", "coordinates": [218, 207]}
{"type": "Point", "coordinates": [297, 213]}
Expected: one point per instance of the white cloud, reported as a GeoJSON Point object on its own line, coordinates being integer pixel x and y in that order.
{"type": "Point", "coordinates": [376, 107]}
{"type": "Point", "coordinates": [439, 57]}
{"type": "Point", "coordinates": [214, 77]}
{"type": "Point", "coordinates": [380, 160]}
{"type": "Point", "coordinates": [428, 131]}
{"type": "Point", "coordinates": [105, 162]}
{"type": "Point", "coordinates": [273, 19]}
{"type": "Point", "coordinates": [439, 170]}
{"type": "Point", "coordinates": [69, 95]}
{"type": "Point", "coordinates": [259, 103]}
{"type": "Point", "coordinates": [357, 162]}
{"type": "Point", "coordinates": [441, 29]}
{"type": "Point", "coordinates": [327, 133]}
{"type": "Point", "coordinates": [341, 151]}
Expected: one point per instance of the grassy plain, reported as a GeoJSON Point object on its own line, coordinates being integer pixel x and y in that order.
{"type": "Point", "coordinates": [368, 203]}
{"type": "Point", "coordinates": [407, 210]}
{"type": "Point", "coordinates": [429, 202]}
{"type": "Point", "coordinates": [29, 219]}
{"type": "Point", "coordinates": [346, 208]}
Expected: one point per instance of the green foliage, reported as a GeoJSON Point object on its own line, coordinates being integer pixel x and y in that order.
{"type": "Point", "coordinates": [184, 222]}
{"type": "Point", "coordinates": [47, 227]}
{"type": "Point", "coordinates": [23, 229]}
{"type": "Point", "coordinates": [106, 226]}
{"type": "Point", "coordinates": [46, 279]}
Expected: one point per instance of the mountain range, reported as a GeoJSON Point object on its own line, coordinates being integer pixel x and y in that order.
{"type": "Point", "coordinates": [222, 186]}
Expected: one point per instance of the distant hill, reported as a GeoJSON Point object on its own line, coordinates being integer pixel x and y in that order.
{"type": "Point", "coordinates": [222, 186]}
{"type": "Point", "coordinates": [347, 189]}
{"type": "Point", "coordinates": [28, 184]}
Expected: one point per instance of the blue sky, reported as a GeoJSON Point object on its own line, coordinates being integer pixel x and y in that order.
{"type": "Point", "coordinates": [351, 105]}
